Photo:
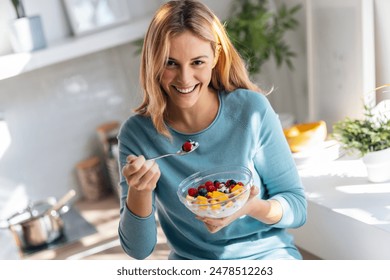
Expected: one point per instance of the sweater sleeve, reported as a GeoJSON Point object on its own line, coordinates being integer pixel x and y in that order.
{"type": "Point", "coordinates": [137, 235]}
{"type": "Point", "coordinates": [278, 172]}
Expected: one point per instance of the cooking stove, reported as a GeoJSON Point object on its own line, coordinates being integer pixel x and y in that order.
{"type": "Point", "coordinates": [75, 228]}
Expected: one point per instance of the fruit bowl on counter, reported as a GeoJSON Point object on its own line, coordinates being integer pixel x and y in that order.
{"type": "Point", "coordinates": [304, 136]}
{"type": "Point", "coordinates": [216, 193]}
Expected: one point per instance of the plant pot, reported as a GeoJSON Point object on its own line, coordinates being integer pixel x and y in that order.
{"type": "Point", "coordinates": [378, 165]}
{"type": "Point", "coordinates": [27, 34]}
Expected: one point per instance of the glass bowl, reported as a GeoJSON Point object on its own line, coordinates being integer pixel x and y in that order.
{"type": "Point", "coordinates": [220, 199]}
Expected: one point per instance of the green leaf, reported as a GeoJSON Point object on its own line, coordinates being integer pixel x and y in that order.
{"type": "Point", "coordinates": [367, 135]}
{"type": "Point", "coordinates": [258, 33]}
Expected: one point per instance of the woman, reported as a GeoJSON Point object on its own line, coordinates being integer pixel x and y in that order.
{"type": "Point", "coordinates": [196, 87]}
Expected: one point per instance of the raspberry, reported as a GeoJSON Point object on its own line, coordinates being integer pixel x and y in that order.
{"type": "Point", "coordinates": [211, 188]}
{"type": "Point", "coordinates": [192, 192]}
{"type": "Point", "coordinates": [208, 183]}
{"type": "Point", "coordinates": [187, 146]}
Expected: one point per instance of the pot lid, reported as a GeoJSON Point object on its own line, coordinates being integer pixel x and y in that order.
{"type": "Point", "coordinates": [32, 211]}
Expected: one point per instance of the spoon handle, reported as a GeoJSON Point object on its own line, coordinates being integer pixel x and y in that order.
{"type": "Point", "coordinates": [162, 156]}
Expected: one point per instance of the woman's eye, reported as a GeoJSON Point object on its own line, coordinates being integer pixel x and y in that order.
{"type": "Point", "coordinates": [198, 62]}
{"type": "Point", "coordinates": [171, 63]}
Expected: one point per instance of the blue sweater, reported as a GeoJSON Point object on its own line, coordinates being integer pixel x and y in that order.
{"type": "Point", "coordinates": [245, 132]}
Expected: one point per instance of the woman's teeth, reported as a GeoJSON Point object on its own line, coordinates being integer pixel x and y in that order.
{"type": "Point", "coordinates": [185, 90]}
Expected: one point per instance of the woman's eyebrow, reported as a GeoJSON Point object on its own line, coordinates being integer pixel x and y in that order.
{"type": "Point", "coordinates": [195, 58]}
{"type": "Point", "coordinates": [199, 57]}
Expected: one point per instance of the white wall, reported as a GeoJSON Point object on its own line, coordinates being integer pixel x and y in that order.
{"type": "Point", "coordinates": [290, 86]}
{"type": "Point", "coordinates": [291, 94]}
{"type": "Point", "coordinates": [382, 42]}
{"type": "Point", "coordinates": [52, 114]}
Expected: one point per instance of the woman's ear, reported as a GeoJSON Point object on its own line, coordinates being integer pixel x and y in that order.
{"type": "Point", "coordinates": [217, 53]}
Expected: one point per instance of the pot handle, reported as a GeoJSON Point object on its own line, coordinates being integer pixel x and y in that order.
{"type": "Point", "coordinates": [60, 204]}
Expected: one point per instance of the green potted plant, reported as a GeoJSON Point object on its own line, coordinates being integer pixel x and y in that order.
{"type": "Point", "coordinates": [26, 32]}
{"type": "Point", "coordinates": [258, 32]}
{"type": "Point", "coordinates": [370, 138]}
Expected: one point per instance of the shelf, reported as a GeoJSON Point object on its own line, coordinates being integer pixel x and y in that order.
{"type": "Point", "coordinates": [15, 64]}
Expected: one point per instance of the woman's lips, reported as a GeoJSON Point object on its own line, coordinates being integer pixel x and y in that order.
{"type": "Point", "coordinates": [185, 89]}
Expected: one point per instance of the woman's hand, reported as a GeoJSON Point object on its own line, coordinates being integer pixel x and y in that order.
{"type": "Point", "coordinates": [214, 225]}
{"type": "Point", "coordinates": [141, 177]}
{"type": "Point", "coordinates": [141, 174]}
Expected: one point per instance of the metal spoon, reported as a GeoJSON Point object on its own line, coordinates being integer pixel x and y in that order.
{"type": "Point", "coordinates": [180, 152]}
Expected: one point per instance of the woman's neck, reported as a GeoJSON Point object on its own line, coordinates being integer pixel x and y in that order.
{"type": "Point", "coordinates": [197, 118]}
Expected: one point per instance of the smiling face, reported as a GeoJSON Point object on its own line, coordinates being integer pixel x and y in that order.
{"type": "Point", "coordinates": [188, 71]}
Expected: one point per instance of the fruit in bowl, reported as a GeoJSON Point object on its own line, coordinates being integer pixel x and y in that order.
{"type": "Point", "coordinates": [216, 193]}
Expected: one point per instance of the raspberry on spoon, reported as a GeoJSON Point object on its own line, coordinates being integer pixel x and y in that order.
{"type": "Point", "coordinates": [187, 146]}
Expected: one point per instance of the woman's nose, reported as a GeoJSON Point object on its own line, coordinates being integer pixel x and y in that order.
{"type": "Point", "coordinates": [185, 74]}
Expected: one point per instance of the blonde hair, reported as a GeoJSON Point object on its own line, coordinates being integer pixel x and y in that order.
{"type": "Point", "coordinates": [172, 18]}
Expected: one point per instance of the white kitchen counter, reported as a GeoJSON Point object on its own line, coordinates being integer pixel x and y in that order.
{"type": "Point", "coordinates": [348, 217]}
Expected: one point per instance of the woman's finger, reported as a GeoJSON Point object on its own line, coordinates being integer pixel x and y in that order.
{"type": "Point", "coordinates": [150, 176]}
{"type": "Point", "coordinates": [130, 158]}
{"type": "Point", "coordinates": [135, 169]}
{"type": "Point", "coordinates": [254, 191]}
{"type": "Point", "coordinates": [219, 223]}
{"type": "Point", "coordinates": [212, 228]}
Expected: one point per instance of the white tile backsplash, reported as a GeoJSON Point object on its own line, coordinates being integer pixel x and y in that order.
{"type": "Point", "coordinates": [53, 113]}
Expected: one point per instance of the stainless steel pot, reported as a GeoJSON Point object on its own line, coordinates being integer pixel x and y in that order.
{"type": "Point", "coordinates": [40, 223]}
